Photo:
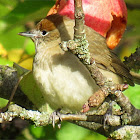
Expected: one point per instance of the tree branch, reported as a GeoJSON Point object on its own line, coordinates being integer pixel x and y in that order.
{"type": "Point", "coordinates": [8, 80]}
{"type": "Point", "coordinates": [93, 122]}
{"type": "Point", "coordinates": [133, 63]}
{"type": "Point", "coordinates": [109, 124]}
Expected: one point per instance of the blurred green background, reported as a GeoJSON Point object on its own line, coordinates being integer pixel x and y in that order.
{"type": "Point", "coordinates": [20, 15]}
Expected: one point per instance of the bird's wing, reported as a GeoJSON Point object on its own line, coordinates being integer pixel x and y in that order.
{"type": "Point", "coordinates": [104, 57]}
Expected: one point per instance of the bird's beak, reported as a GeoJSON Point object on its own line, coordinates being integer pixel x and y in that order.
{"type": "Point", "coordinates": [27, 34]}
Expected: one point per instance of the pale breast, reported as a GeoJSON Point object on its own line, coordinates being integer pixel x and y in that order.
{"type": "Point", "coordinates": [64, 80]}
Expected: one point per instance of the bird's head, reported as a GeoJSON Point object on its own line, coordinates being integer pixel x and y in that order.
{"type": "Point", "coordinates": [53, 28]}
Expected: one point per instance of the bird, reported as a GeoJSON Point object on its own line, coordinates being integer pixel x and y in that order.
{"type": "Point", "coordinates": [64, 80]}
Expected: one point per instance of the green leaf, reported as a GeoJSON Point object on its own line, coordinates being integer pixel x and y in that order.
{"type": "Point", "coordinates": [10, 39]}
{"type": "Point", "coordinates": [29, 87]}
{"type": "Point", "coordinates": [30, 47]}
{"type": "Point", "coordinates": [3, 102]}
{"type": "Point", "coordinates": [20, 70]}
{"type": "Point", "coordinates": [6, 6]}
{"type": "Point", "coordinates": [71, 132]}
{"type": "Point", "coordinates": [4, 61]}
{"type": "Point", "coordinates": [133, 93]}
{"type": "Point", "coordinates": [27, 11]}
{"type": "Point", "coordinates": [37, 132]}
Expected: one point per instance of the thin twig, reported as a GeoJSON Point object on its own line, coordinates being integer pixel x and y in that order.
{"type": "Point", "coordinates": [12, 95]}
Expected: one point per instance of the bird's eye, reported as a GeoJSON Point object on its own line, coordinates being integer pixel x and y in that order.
{"type": "Point", "coordinates": [44, 32]}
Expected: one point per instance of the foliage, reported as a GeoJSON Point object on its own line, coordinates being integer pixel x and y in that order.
{"type": "Point", "coordinates": [13, 48]}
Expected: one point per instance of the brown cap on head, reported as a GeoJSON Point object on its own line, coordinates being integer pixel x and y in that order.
{"type": "Point", "coordinates": [50, 22]}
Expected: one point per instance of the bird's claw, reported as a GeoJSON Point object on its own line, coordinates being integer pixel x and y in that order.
{"type": "Point", "coordinates": [53, 118]}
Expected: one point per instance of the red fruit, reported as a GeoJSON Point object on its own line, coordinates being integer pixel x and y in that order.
{"type": "Point", "coordinates": [107, 17]}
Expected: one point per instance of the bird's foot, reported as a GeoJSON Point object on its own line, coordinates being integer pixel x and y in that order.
{"type": "Point", "coordinates": [107, 116]}
{"type": "Point", "coordinates": [53, 118]}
